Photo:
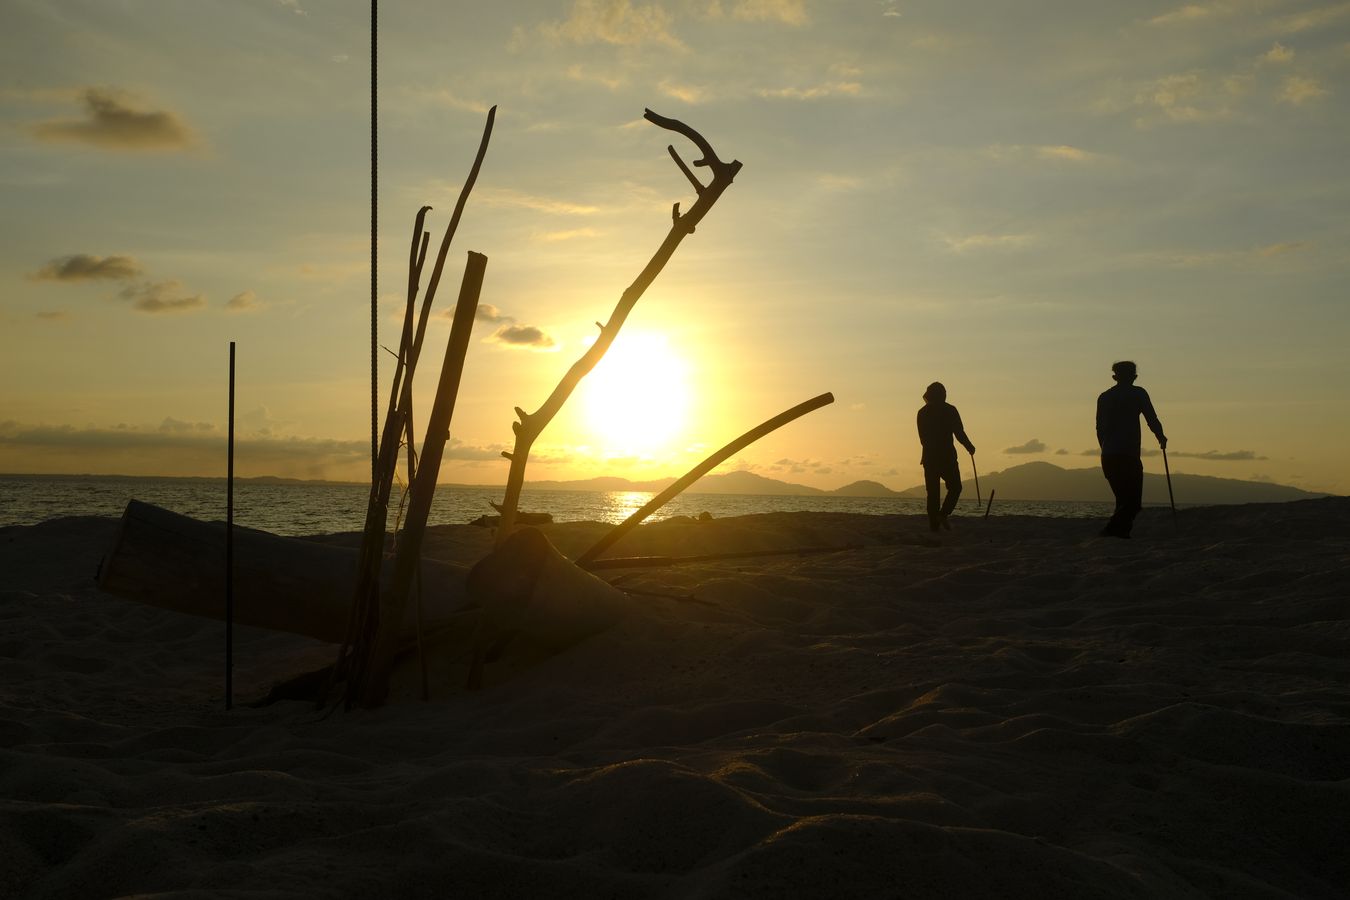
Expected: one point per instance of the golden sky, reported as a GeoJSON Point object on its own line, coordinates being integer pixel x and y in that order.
{"type": "Point", "coordinates": [1005, 197]}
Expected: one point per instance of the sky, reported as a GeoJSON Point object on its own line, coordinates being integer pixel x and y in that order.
{"type": "Point", "coordinates": [1005, 197]}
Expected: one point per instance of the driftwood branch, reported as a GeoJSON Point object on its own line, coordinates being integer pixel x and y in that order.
{"type": "Point", "coordinates": [531, 425]}
{"type": "Point", "coordinates": [374, 654]}
{"type": "Point", "coordinates": [694, 474]}
{"type": "Point", "coordinates": [398, 424]}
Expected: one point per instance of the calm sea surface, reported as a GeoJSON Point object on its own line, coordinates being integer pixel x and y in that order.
{"type": "Point", "coordinates": [302, 508]}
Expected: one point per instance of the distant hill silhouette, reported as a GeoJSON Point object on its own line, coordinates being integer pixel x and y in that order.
{"type": "Point", "coordinates": [1045, 481]}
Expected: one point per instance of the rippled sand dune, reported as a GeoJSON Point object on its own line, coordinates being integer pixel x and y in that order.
{"type": "Point", "coordinates": [1018, 709]}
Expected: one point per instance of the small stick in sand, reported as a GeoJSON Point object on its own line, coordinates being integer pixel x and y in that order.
{"type": "Point", "coordinates": [1170, 499]}
{"type": "Point", "coordinates": [977, 480]}
{"type": "Point", "coordinates": [990, 504]}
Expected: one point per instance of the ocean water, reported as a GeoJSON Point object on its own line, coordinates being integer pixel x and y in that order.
{"type": "Point", "coordinates": [324, 508]}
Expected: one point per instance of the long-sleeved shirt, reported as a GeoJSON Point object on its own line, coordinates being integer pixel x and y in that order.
{"type": "Point", "coordinates": [938, 424]}
{"type": "Point", "coordinates": [1118, 412]}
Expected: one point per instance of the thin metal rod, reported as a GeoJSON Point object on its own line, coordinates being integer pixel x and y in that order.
{"type": "Point", "coordinates": [229, 549]}
{"type": "Point", "coordinates": [374, 245]}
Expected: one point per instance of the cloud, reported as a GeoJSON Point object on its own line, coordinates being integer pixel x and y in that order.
{"type": "Point", "coordinates": [244, 301]}
{"type": "Point", "coordinates": [577, 72]}
{"type": "Point", "coordinates": [486, 312]}
{"type": "Point", "coordinates": [293, 6]}
{"type": "Point", "coordinates": [510, 198]}
{"type": "Point", "coordinates": [525, 336]}
{"type": "Point", "coordinates": [828, 89]}
{"type": "Point", "coordinates": [1061, 452]}
{"type": "Point", "coordinates": [569, 235]}
{"type": "Point", "coordinates": [1031, 446]}
{"type": "Point", "coordinates": [55, 315]}
{"type": "Point", "coordinates": [448, 99]}
{"type": "Point", "coordinates": [1311, 19]}
{"type": "Point", "coordinates": [180, 447]}
{"type": "Point", "coordinates": [161, 297]}
{"type": "Point", "coordinates": [83, 267]}
{"type": "Point", "coordinates": [1298, 89]}
{"type": "Point", "coordinates": [1219, 456]}
{"type": "Point", "coordinates": [111, 124]}
{"type": "Point", "coordinates": [960, 244]}
{"type": "Point", "coordinates": [789, 12]}
{"type": "Point", "coordinates": [1281, 248]}
{"type": "Point", "coordinates": [1192, 13]}
{"type": "Point", "coordinates": [685, 93]}
{"type": "Point", "coordinates": [1191, 97]}
{"type": "Point", "coordinates": [1053, 152]}
{"type": "Point", "coordinates": [1277, 54]}
{"type": "Point", "coordinates": [616, 22]}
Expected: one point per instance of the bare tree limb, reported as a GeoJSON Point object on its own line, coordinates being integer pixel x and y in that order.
{"type": "Point", "coordinates": [531, 425]}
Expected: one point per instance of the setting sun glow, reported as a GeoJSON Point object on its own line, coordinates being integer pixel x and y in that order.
{"type": "Point", "coordinates": [636, 397]}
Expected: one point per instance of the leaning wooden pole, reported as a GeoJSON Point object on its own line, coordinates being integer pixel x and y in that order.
{"type": "Point", "coordinates": [369, 681]}
{"type": "Point", "coordinates": [699, 471]}
{"type": "Point", "coordinates": [531, 425]}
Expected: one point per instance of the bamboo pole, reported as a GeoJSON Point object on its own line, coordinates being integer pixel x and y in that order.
{"type": "Point", "coordinates": [531, 425]}
{"type": "Point", "coordinates": [703, 468]}
{"type": "Point", "coordinates": [369, 681]}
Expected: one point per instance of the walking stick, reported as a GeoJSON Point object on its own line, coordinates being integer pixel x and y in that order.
{"type": "Point", "coordinates": [978, 501]}
{"type": "Point", "coordinates": [1170, 498]}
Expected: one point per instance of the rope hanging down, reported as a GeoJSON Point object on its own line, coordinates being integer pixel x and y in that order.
{"type": "Point", "coordinates": [374, 303]}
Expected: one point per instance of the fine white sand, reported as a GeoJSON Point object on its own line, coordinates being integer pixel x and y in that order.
{"type": "Point", "coordinates": [1019, 710]}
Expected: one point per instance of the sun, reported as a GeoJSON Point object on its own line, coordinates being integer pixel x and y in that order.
{"type": "Point", "coordinates": [636, 397]}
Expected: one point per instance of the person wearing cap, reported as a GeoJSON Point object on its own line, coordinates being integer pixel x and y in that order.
{"type": "Point", "coordinates": [1118, 412]}
{"type": "Point", "coordinates": [939, 422]}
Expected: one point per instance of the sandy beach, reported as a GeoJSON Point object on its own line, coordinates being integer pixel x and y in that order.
{"type": "Point", "coordinates": [1016, 709]}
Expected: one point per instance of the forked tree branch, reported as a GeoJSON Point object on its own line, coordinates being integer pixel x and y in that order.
{"type": "Point", "coordinates": [531, 425]}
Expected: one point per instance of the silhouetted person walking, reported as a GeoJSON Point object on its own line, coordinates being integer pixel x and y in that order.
{"type": "Point", "coordinates": [1118, 412]}
{"type": "Point", "coordinates": [939, 422]}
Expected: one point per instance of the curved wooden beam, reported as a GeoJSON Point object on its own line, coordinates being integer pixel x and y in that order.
{"type": "Point", "coordinates": [703, 468]}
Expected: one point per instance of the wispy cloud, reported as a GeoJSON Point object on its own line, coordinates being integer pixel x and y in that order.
{"type": "Point", "coordinates": [616, 22]}
{"type": "Point", "coordinates": [85, 267]}
{"type": "Point", "coordinates": [686, 93]}
{"type": "Point", "coordinates": [1193, 13]}
{"type": "Point", "coordinates": [788, 12]}
{"type": "Point", "coordinates": [963, 243]}
{"type": "Point", "coordinates": [523, 336]}
{"type": "Point", "coordinates": [509, 333]}
{"type": "Point", "coordinates": [1277, 55]}
{"type": "Point", "coordinates": [55, 315]}
{"type": "Point", "coordinates": [813, 92]}
{"type": "Point", "coordinates": [568, 235]}
{"type": "Point", "coordinates": [510, 198]}
{"type": "Point", "coordinates": [584, 74]}
{"type": "Point", "coordinates": [244, 301]}
{"type": "Point", "coordinates": [161, 297]}
{"type": "Point", "coordinates": [1312, 19]}
{"type": "Point", "coordinates": [1031, 446]}
{"type": "Point", "coordinates": [1219, 455]}
{"type": "Point", "coordinates": [111, 123]}
{"type": "Point", "coordinates": [1052, 152]}
{"type": "Point", "coordinates": [1299, 89]}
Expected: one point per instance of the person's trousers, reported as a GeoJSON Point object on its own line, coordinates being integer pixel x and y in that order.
{"type": "Point", "coordinates": [933, 477]}
{"type": "Point", "coordinates": [1125, 474]}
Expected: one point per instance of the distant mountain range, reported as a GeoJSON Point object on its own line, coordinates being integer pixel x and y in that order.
{"type": "Point", "coordinates": [1029, 481]}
